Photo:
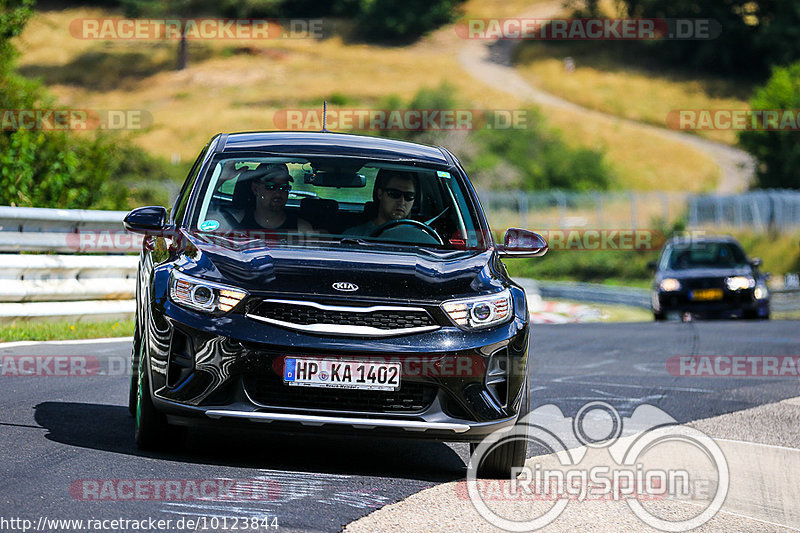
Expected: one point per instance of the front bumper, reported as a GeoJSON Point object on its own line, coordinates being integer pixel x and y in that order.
{"type": "Point", "coordinates": [213, 371]}
{"type": "Point", "coordinates": [732, 303]}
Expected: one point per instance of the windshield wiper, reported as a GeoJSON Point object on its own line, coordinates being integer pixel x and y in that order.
{"type": "Point", "coordinates": [355, 240]}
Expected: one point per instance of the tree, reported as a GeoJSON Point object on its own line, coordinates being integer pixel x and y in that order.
{"type": "Point", "coordinates": [403, 20]}
{"type": "Point", "coordinates": [14, 89]}
{"type": "Point", "coordinates": [777, 152]}
{"type": "Point", "coordinates": [753, 34]}
{"type": "Point", "coordinates": [174, 9]}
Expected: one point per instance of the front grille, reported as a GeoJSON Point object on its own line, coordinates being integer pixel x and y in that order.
{"type": "Point", "coordinates": [305, 315]}
{"type": "Point", "coordinates": [703, 283]}
{"type": "Point", "coordinates": [270, 391]}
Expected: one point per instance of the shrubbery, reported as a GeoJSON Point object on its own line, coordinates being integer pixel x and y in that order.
{"type": "Point", "coordinates": [59, 169]}
{"type": "Point", "coordinates": [778, 152]}
{"type": "Point", "coordinates": [749, 37]}
{"type": "Point", "coordinates": [534, 157]}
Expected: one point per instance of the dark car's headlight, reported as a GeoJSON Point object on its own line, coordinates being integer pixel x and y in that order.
{"type": "Point", "coordinates": [738, 283]}
{"type": "Point", "coordinates": [203, 295]}
{"type": "Point", "coordinates": [670, 285]}
{"type": "Point", "coordinates": [480, 312]}
{"type": "Point", "coordinates": [761, 292]}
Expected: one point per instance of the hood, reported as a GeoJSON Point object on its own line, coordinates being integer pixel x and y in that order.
{"type": "Point", "coordinates": [695, 273]}
{"type": "Point", "coordinates": [384, 273]}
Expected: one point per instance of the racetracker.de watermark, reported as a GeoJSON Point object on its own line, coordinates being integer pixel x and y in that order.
{"type": "Point", "coordinates": [402, 119]}
{"type": "Point", "coordinates": [72, 366]}
{"type": "Point", "coordinates": [74, 119]}
{"type": "Point", "coordinates": [213, 490]}
{"type": "Point", "coordinates": [734, 119]}
{"type": "Point", "coordinates": [603, 239]}
{"type": "Point", "coordinates": [732, 366]}
{"type": "Point", "coordinates": [195, 29]}
{"type": "Point", "coordinates": [588, 29]}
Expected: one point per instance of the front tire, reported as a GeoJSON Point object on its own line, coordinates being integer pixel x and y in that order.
{"type": "Point", "coordinates": [505, 457]}
{"type": "Point", "coordinates": [136, 354]}
{"type": "Point", "coordinates": [151, 425]}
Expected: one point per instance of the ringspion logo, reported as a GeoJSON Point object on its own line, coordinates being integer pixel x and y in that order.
{"type": "Point", "coordinates": [600, 455]}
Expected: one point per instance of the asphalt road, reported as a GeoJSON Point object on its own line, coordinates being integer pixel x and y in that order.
{"type": "Point", "coordinates": [57, 432]}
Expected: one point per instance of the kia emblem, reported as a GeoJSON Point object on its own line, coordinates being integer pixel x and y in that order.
{"type": "Point", "coordinates": [345, 286]}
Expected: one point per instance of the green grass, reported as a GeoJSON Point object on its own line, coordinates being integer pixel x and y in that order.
{"type": "Point", "coordinates": [623, 81]}
{"type": "Point", "coordinates": [64, 330]}
{"type": "Point", "coordinates": [780, 254]}
{"type": "Point", "coordinates": [616, 313]}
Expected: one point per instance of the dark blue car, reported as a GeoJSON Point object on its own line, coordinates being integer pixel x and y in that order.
{"type": "Point", "coordinates": [709, 276]}
{"type": "Point", "coordinates": [329, 283]}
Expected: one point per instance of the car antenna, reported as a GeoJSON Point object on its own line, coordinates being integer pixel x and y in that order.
{"type": "Point", "coordinates": [324, 116]}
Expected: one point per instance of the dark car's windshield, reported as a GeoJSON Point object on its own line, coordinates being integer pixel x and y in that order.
{"type": "Point", "coordinates": [335, 198]}
{"type": "Point", "coordinates": [704, 255]}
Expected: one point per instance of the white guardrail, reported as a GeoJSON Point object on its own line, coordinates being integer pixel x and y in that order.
{"type": "Point", "coordinates": [63, 284]}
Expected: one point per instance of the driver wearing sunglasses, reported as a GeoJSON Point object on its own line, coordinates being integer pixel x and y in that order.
{"type": "Point", "coordinates": [394, 197]}
{"type": "Point", "coordinates": [271, 184]}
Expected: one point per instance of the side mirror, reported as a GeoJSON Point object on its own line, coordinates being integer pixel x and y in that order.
{"type": "Point", "coordinates": [755, 262]}
{"type": "Point", "coordinates": [146, 220]}
{"type": "Point", "coordinates": [651, 265]}
{"type": "Point", "coordinates": [522, 243]}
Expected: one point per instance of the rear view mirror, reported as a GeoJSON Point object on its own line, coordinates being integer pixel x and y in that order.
{"type": "Point", "coordinates": [522, 243]}
{"type": "Point", "coordinates": [146, 220]}
{"type": "Point", "coordinates": [755, 261]}
{"type": "Point", "coordinates": [651, 265]}
{"type": "Point", "coordinates": [329, 178]}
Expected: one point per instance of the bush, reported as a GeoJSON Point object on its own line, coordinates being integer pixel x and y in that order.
{"type": "Point", "coordinates": [777, 152]}
{"type": "Point", "coordinates": [402, 20]}
{"type": "Point", "coordinates": [746, 37]}
{"type": "Point", "coordinates": [48, 169]}
{"type": "Point", "coordinates": [59, 169]}
{"type": "Point", "coordinates": [534, 157]}
{"type": "Point", "coordinates": [541, 157]}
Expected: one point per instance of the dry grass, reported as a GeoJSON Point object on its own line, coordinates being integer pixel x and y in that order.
{"type": "Point", "coordinates": [228, 90]}
{"type": "Point", "coordinates": [605, 83]}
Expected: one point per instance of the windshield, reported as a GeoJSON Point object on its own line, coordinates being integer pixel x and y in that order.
{"type": "Point", "coordinates": [309, 200]}
{"type": "Point", "coordinates": [704, 255]}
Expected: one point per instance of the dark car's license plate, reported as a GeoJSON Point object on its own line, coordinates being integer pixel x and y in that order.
{"type": "Point", "coordinates": [336, 373]}
{"type": "Point", "coordinates": [706, 294]}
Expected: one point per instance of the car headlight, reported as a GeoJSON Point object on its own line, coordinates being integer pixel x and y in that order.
{"type": "Point", "coordinates": [761, 292]}
{"type": "Point", "coordinates": [737, 283]}
{"type": "Point", "coordinates": [480, 312]}
{"type": "Point", "coordinates": [670, 285]}
{"type": "Point", "coordinates": [203, 295]}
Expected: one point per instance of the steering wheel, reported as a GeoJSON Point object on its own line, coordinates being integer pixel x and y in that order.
{"type": "Point", "coordinates": [407, 221]}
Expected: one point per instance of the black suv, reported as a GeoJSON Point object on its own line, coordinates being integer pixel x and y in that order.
{"type": "Point", "coordinates": [329, 283]}
{"type": "Point", "coordinates": [708, 276]}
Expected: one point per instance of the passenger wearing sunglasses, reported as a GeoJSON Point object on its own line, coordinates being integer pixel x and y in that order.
{"type": "Point", "coordinates": [271, 185]}
{"type": "Point", "coordinates": [394, 195]}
